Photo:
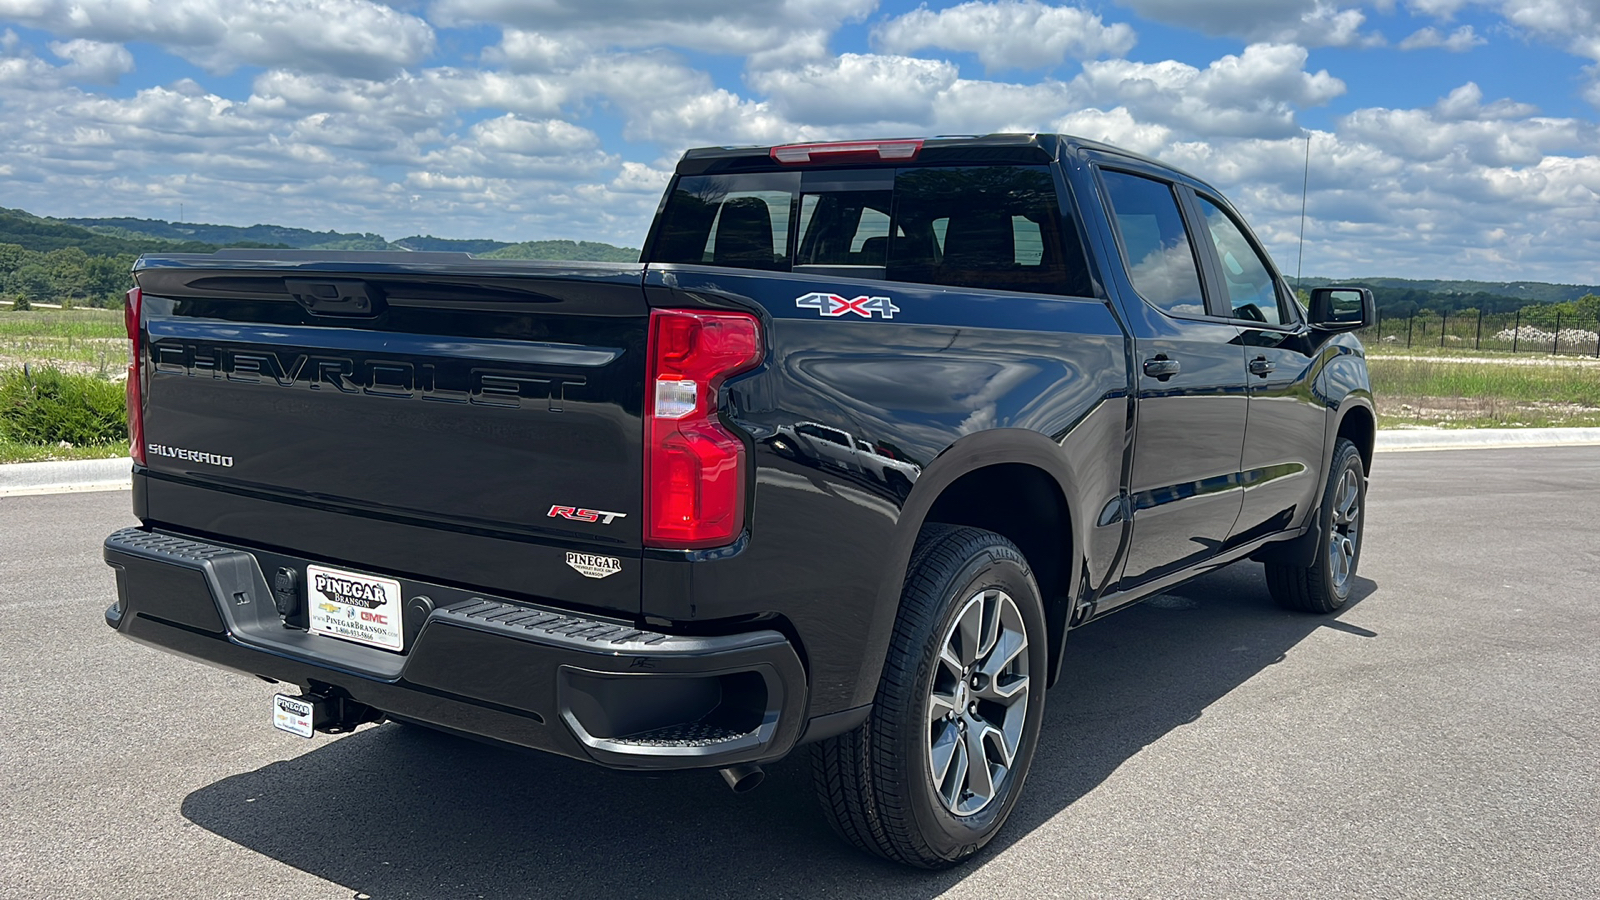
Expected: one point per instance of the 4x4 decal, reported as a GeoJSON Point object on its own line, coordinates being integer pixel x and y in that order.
{"type": "Point", "coordinates": [833, 306]}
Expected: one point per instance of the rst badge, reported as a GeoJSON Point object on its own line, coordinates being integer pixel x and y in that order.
{"type": "Point", "coordinates": [575, 514]}
{"type": "Point", "coordinates": [833, 306]}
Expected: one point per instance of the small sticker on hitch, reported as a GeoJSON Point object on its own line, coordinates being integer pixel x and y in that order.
{"type": "Point", "coordinates": [296, 715]}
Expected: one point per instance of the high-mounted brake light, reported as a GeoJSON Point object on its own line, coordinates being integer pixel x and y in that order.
{"type": "Point", "coordinates": [694, 467]}
{"type": "Point", "coordinates": [799, 154]}
{"type": "Point", "coordinates": [130, 319]}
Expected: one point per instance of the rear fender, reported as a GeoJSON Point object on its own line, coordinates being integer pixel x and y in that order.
{"type": "Point", "coordinates": [967, 455]}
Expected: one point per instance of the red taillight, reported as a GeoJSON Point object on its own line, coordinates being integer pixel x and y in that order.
{"type": "Point", "coordinates": [130, 318]}
{"type": "Point", "coordinates": [694, 468]}
{"type": "Point", "coordinates": [845, 151]}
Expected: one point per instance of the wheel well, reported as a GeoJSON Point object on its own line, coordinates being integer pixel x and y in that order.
{"type": "Point", "coordinates": [1025, 505]}
{"type": "Point", "coordinates": [1359, 427]}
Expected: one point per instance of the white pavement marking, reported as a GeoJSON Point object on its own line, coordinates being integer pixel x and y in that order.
{"type": "Point", "coordinates": [1392, 440]}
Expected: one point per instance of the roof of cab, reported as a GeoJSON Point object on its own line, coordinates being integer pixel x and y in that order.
{"type": "Point", "coordinates": [948, 149]}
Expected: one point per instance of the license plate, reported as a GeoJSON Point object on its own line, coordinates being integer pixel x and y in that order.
{"type": "Point", "coordinates": [293, 715]}
{"type": "Point", "coordinates": [361, 608]}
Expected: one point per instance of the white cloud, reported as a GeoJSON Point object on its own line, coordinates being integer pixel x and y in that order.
{"type": "Point", "coordinates": [533, 51]}
{"type": "Point", "coordinates": [511, 147]}
{"type": "Point", "coordinates": [1252, 94]}
{"type": "Point", "coordinates": [713, 118]}
{"type": "Point", "coordinates": [1313, 23]}
{"type": "Point", "coordinates": [859, 88]}
{"type": "Point", "coordinates": [509, 134]}
{"type": "Point", "coordinates": [1117, 127]}
{"type": "Point", "coordinates": [638, 178]}
{"type": "Point", "coordinates": [505, 143]}
{"type": "Point", "coordinates": [768, 32]}
{"type": "Point", "coordinates": [1573, 23]}
{"type": "Point", "coordinates": [1459, 41]}
{"type": "Point", "coordinates": [1441, 9]}
{"type": "Point", "coordinates": [1461, 127]}
{"type": "Point", "coordinates": [1008, 34]}
{"type": "Point", "coordinates": [1466, 102]}
{"type": "Point", "coordinates": [982, 107]}
{"type": "Point", "coordinates": [353, 37]}
{"type": "Point", "coordinates": [93, 61]}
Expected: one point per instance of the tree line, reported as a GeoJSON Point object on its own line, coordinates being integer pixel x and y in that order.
{"type": "Point", "coordinates": [73, 277]}
{"type": "Point", "coordinates": [68, 276]}
{"type": "Point", "coordinates": [1403, 303]}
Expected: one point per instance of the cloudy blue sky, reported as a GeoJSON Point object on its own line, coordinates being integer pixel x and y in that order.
{"type": "Point", "coordinates": [1449, 138]}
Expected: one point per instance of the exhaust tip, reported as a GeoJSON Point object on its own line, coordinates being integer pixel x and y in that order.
{"type": "Point", "coordinates": [743, 779]}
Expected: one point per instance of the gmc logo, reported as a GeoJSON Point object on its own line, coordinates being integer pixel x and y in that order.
{"type": "Point", "coordinates": [368, 615]}
{"type": "Point", "coordinates": [584, 515]}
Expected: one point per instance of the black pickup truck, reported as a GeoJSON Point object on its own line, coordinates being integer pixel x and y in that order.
{"type": "Point", "coordinates": [840, 463]}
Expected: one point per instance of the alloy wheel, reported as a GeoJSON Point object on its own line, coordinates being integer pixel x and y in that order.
{"type": "Point", "coordinates": [1344, 538]}
{"type": "Point", "coordinates": [978, 705]}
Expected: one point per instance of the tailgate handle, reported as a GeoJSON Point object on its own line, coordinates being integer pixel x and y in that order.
{"type": "Point", "coordinates": [336, 297]}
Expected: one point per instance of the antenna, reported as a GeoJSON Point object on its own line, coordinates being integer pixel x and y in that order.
{"type": "Point", "coordinates": [1305, 188]}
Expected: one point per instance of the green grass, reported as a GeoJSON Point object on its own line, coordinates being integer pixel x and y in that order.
{"type": "Point", "coordinates": [49, 414]}
{"type": "Point", "coordinates": [12, 452]}
{"type": "Point", "coordinates": [84, 341]}
{"type": "Point", "coordinates": [1463, 394]}
{"type": "Point", "coordinates": [62, 323]}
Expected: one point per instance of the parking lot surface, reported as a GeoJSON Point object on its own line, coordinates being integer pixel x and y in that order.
{"type": "Point", "coordinates": [1440, 738]}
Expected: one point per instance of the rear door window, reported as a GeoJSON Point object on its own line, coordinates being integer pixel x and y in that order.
{"type": "Point", "coordinates": [1159, 254]}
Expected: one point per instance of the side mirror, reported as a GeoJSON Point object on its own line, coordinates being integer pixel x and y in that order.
{"type": "Point", "coordinates": [1342, 308]}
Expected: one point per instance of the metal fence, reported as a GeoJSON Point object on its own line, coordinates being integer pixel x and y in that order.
{"type": "Point", "coordinates": [1519, 332]}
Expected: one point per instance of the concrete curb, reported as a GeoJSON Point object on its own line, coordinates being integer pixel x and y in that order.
{"type": "Point", "coordinates": [1485, 438]}
{"type": "Point", "coordinates": [72, 476]}
{"type": "Point", "coordinates": [66, 476]}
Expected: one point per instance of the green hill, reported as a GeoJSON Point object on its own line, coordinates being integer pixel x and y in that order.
{"type": "Point", "coordinates": [230, 235]}
{"type": "Point", "coordinates": [428, 242]}
{"type": "Point", "coordinates": [591, 251]}
{"type": "Point", "coordinates": [141, 235]}
{"type": "Point", "coordinates": [43, 235]}
{"type": "Point", "coordinates": [1526, 291]}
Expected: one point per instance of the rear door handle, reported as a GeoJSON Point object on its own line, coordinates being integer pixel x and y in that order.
{"type": "Point", "coordinates": [1262, 366]}
{"type": "Point", "coordinates": [1161, 368]}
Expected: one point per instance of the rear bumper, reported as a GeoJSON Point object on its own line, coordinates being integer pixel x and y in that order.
{"type": "Point", "coordinates": [580, 686]}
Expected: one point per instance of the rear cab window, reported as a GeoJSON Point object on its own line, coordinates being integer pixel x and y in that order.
{"type": "Point", "coordinates": [740, 221]}
{"type": "Point", "coordinates": [993, 227]}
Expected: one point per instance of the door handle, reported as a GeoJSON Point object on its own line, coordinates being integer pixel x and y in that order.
{"type": "Point", "coordinates": [1161, 368]}
{"type": "Point", "coordinates": [1262, 366]}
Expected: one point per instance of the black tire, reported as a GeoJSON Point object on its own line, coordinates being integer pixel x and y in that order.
{"type": "Point", "coordinates": [876, 783]}
{"type": "Point", "coordinates": [1318, 588]}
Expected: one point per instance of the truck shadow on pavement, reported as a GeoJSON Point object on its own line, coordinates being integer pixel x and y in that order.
{"type": "Point", "coordinates": [395, 811]}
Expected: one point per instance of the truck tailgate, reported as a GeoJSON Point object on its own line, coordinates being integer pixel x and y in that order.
{"type": "Point", "coordinates": [402, 413]}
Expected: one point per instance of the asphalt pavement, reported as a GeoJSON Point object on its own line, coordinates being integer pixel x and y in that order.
{"type": "Point", "coordinates": [1438, 739]}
